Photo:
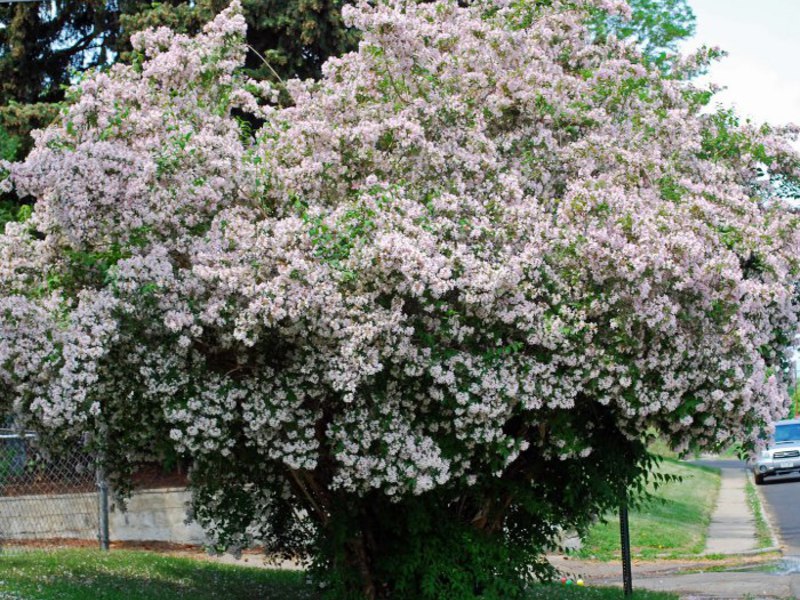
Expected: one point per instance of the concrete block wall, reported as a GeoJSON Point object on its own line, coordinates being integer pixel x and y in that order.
{"type": "Point", "coordinates": [71, 516]}
{"type": "Point", "coordinates": [155, 515]}
{"type": "Point", "coordinates": [150, 515]}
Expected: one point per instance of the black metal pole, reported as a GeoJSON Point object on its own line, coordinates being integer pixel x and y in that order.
{"type": "Point", "coordinates": [102, 489]}
{"type": "Point", "coordinates": [625, 538]}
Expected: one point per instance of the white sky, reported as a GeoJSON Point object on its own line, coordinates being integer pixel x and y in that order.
{"type": "Point", "coordinates": [762, 69]}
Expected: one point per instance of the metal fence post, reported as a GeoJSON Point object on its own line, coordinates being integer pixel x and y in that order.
{"type": "Point", "coordinates": [102, 490]}
{"type": "Point", "coordinates": [625, 538]}
{"type": "Point", "coordinates": [50, 497]}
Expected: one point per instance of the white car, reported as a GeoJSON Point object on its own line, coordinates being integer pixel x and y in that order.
{"type": "Point", "coordinates": [782, 454]}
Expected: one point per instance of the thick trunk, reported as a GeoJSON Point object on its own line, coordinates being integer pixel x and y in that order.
{"type": "Point", "coordinates": [358, 557]}
{"type": "Point", "coordinates": [491, 515]}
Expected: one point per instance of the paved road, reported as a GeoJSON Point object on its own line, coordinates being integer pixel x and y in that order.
{"type": "Point", "coordinates": [721, 463]}
{"type": "Point", "coordinates": [782, 496]}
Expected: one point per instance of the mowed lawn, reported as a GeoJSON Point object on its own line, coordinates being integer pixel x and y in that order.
{"type": "Point", "coordinates": [133, 575]}
{"type": "Point", "coordinates": [673, 524]}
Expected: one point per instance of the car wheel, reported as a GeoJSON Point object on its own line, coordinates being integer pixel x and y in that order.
{"type": "Point", "coordinates": [759, 479]}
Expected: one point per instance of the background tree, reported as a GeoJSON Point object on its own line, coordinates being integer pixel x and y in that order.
{"type": "Point", "coordinates": [657, 25]}
{"type": "Point", "coordinates": [41, 45]}
{"type": "Point", "coordinates": [294, 38]}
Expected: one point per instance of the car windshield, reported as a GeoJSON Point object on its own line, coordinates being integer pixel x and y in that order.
{"type": "Point", "coordinates": [787, 433]}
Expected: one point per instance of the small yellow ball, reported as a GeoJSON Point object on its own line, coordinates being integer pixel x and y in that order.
{"type": "Point", "coordinates": [579, 582]}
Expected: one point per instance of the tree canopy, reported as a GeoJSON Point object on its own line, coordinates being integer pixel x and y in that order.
{"type": "Point", "coordinates": [418, 318]}
{"type": "Point", "coordinates": [657, 26]}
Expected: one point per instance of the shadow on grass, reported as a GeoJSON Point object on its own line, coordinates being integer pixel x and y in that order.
{"type": "Point", "coordinates": [90, 575]}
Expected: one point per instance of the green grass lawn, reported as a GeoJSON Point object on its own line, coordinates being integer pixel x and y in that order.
{"type": "Point", "coordinates": [763, 534]}
{"type": "Point", "coordinates": [562, 592]}
{"type": "Point", "coordinates": [133, 575]}
{"type": "Point", "coordinates": [672, 525]}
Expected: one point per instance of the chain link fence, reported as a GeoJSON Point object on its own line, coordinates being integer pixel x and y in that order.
{"type": "Point", "coordinates": [59, 500]}
{"type": "Point", "coordinates": [46, 500]}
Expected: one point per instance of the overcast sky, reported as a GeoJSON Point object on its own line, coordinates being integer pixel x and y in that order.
{"type": "Point", "coordinates": [762, 69]}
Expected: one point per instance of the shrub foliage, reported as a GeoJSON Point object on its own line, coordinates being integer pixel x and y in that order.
{"type": "Point", "coordinates": [419, 318]}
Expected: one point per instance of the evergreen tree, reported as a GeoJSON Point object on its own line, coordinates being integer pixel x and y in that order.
{"type": "Point", "coordinates": [287, 39]}
{"type": "Point", "coordinates": [41, 45]}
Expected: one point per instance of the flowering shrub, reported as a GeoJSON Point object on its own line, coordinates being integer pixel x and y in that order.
{"type": "Point", "coordinates": [421, 317]}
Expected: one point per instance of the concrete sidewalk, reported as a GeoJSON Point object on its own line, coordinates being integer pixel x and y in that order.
{"type": "Point", "coordinates": [728, 585]}
{"type": "Point", "coordinates": [731, 532]}
{"type": "Point", "coordinates": [749, 577]}
{"type": "Point", "coordinates": [732, 529]}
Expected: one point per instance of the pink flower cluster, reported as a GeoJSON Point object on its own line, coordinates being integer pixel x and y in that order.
{"type": "Point", "coordinates": [481, 223]}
